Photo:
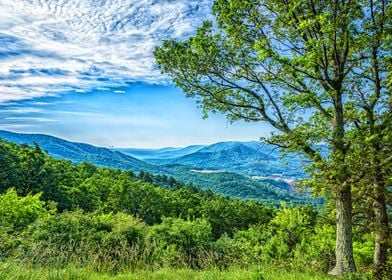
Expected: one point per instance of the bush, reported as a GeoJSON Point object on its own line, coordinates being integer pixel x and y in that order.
{"type": "Point", "coordinates": [288, 229]}
{"type": "Point", "coordinates": [364, 250]}
{"type": "Point", "coordinates": [317, 250]}
{"type": "Point", "coordinates": [277, 241]}
{"type": "Point", "coordinates": [180, 242]}
{"type": "Point", "coordinates": [250, 243]}
{"type": "Point", "coordinates": [16, 214]}
{"type": "Point", "coordinates": [228, 252]}
{"type": "Point", "coordinates": [108, 242]}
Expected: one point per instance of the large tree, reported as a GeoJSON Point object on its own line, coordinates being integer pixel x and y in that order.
{"type": "Point", "coordinates": [294, 65]}
{"type": "Point", "coordinates": [371, 99]}
{"type": "Point", "coordinates": [374, 98]}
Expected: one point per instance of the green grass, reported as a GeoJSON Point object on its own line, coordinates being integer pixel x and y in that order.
{"type": "Point", "coordinates": [15, 271]}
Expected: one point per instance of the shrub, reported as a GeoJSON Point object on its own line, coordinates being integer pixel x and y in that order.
{"type": "Point", "coordinates": [227, 252]}
{"type": "Point", "coordinates": [250, 243]}
{"type": "Point", "coordinates": [288, 228]}
{"type": "Point", "coordinates": [179, 241]}
{"type": "Point", "coordinates": [364, 249]}
{"type": "Point", "coordinates": [16, 212]}
{"type": "Point", "coordinates": [105, 241]}
{"type": "Point", "coordinates": [317, 250]}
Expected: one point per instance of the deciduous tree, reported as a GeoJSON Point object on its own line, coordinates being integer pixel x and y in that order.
{"type": "Point", "coordinates": [294, 65]}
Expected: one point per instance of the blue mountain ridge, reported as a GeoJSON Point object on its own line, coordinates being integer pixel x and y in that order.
{"type": "Point", "coordinates": [223, 158]}
{"type": "Point", "coordinates": [163, 153]}
{"type": "Point", "coordinates": [248, 158]}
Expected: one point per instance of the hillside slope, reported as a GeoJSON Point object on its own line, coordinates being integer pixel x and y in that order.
{"type": "Point", "coordinates": [78, 152]}
{"type": "Point", "coordinates": [223, 182]}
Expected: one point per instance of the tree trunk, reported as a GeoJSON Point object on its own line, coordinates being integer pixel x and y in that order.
{"type": "Point", "coordinates": [382, 230]}
{"type": "Point", "coordinates": [379, 193]}
{"type": "Point", "coordinates": [344, 248]}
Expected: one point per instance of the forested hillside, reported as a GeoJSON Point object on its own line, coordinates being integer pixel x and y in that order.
{"type": "Point", "coordinates": [55, 213]}
{"type": "Point", "coordinates": [227, 183]}
{"type": "Point", "coordinates": [246, 158]}
{"type": "Point", "coordinates": [77, 152]}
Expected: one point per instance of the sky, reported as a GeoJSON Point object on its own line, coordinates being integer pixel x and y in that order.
{"type": "Point", "coordinates": [83, 70]}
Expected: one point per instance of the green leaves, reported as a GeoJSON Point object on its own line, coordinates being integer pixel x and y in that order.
{"type": "Point", "coordinates": [317, 71]}
{"type": "Point", "coordinates": [187, 236]}
{"type": "Point", "coordinates": [16, 212]}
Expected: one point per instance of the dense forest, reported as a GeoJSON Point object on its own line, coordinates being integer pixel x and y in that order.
{"type": "Point", "coordinates": [56, 214]}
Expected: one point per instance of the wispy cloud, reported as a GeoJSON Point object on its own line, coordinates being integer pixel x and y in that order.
{"type": "Point", "coordinates": [17, 126]}
{"type": "Point", "coordinates": [20, 110]}
{"type": "Point", "coordinates": [30, 119]}
{"type": "Point", "coordinates": [51, 46]}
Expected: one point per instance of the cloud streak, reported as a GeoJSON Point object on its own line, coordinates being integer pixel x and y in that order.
{"type": "Point", "coordinates": [52, 46]}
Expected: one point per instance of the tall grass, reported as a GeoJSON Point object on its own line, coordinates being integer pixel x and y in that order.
{"type": "Point", "coordinates": [85, 260]}
{"type": "Point", "coordinates": [112, 258]}
{"type": "Point", "coordinates": [16, 271]}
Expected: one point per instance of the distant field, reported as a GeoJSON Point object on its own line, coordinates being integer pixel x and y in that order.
{"type": "Point", "coordinates": [12, 271]}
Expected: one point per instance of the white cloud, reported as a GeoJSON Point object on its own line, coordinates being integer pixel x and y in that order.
{"type": "Point", "coordinates": [48, 46]}
{"type": "Point", "coordinates": [34, 119]}
{"type": "Point", "coordinates": [24, 110]}
{"type": "Point", "coordinates": [16, 127]}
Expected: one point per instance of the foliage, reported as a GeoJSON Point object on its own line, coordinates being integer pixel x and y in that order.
{"type": "Point", "coordinates": [111, 220]}
{"type": "Point", "coordinates": [180, 240]}
{"type": "Point", "coordinates": [108, 242]}
{"type": "Point", "coordinates": [288, 228]}
{"type": "Point", "coordinates": [318, 72]}
{"type": "Point", "coordinates": [16, 213]}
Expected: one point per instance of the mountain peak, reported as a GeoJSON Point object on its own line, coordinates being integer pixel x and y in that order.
{"type": "Point", "coordinates": [224, 146]}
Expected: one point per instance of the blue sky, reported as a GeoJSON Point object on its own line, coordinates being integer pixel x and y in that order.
{"type": "Point", "coordinates": [84, 71]}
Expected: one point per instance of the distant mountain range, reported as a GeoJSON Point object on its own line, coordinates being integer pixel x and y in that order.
{"type": "Point", "coordinates": [163, 153]}
{"type": "Point", "coordinates": [248, 158]}
{"type": "Point", "coordinates": [78, 152]}
{"type": "Point", "coordinates": [247, 170]}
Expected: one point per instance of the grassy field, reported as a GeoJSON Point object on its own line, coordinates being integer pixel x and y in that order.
{"type": "Point", "coordinates": [11, 271]}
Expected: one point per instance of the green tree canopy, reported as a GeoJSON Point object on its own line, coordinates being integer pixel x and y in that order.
{"type": "Point", "coordinates": [305, 67]}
